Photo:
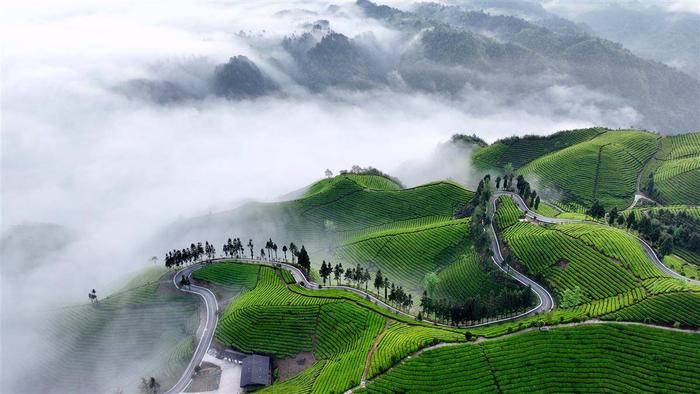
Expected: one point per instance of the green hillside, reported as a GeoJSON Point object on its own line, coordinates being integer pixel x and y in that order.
{"type": "Point", "coordinates": [370, 182]}
{"type": "Point", "coordinates": [604, 168]}
{"type": "Point", "coordinates": [575, 167]}
{"type": "Point", "coordinates": [595, 358]}
{"type": "Point", "coordinates": [521, 150]}
{"type": "Point", "coordinates": [338, 327]}
{"type": "Point", "coordinates": [594, 269]}
{"type": "Point", "coordinates": [147, 329]}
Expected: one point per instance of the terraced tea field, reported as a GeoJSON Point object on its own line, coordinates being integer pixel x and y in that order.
{"type": "Point", "coordinates": [593, 358]}
{"type": "Point", "coordinates": [522, 150]}
{"type": "Point", "coordinates": [339, 327]}
{"type": "Point", "coordinates": [407, 254]}
{"type": "Point", "coordinates": [604, 168]}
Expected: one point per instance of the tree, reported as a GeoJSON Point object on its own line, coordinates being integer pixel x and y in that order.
{"type": "Point", "coordinates": [665, 244]}
{"type": "Point", "coordinates": [612, 216]}
{"type": "Point", "coordinates": [328, 173]}
{"type": "Point", "coordinates": [386, 287]}
{"type": "Point", "coordinates": [537, 202]}
{"type": "Point", "coordinates": [430, 282]}
{"type": "Point", "coordinates": [348, 275]}
{"type": "Point", "coordinates": [93, 296]}
{"type": "Point", "coordinates": [498, 182]}
{"type": "Point", "coordinates": [620, 220]}
{"type": "Point", "coordinates": [250, 246]}
{"type": "Point", "coordinates": [274, 249]}
{"type": "Point", "coordinates": [325, 271]}
{"type": "Point", "coordinates": [631, 220]}
{"type": "Point", "coordinates": [304, 261]}
{"type": "Point", "coordinates": [150, 386]}
{"type": "Point", "coordinates": [284, 250]}
{"type": "Point", "coordinates": [338, 272]}
{"type": "Point", "coordinates": [572, 297]}
{"type": "Point", "coordinates": [596, 210]}
{"type": "Point", "coordinates": [378, 280]}
{"type": "Point", "coordinates": [293, 250]}
{"type": "Point", "coordinates": [366, 278]}
{"type": "Point", "coordinates": [262, 253]}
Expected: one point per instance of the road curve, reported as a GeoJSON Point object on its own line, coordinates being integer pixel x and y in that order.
{"type": "Point", "coordinates": [546, 303]}
{"type": "Point", "coordinates": [207, 329]}
{"type": "Point", "coordinates": [647, 249]}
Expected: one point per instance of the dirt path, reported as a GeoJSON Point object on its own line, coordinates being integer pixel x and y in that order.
{"type": "Point", "coordinates": [368, 362]}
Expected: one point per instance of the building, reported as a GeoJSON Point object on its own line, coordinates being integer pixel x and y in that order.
{"type": "Point", "coordinates": [255, 372]}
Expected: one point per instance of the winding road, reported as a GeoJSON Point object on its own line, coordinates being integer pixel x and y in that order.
{"type": "Point", "coordinates": [546, 301]}
{"type": "Point", "coordinates": [206, 328]}
{"type": "Point", "coordinates": [647, 248]}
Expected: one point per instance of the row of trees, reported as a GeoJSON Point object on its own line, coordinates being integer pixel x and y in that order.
{"type": "Point", "coordinates": [195, 252]}
{"type": "Point", "coordinates": [360, 276]}
{"type": "Point", "coordinates": [234, 248]}
{"type": "Point", "coordinates": [475, 309]}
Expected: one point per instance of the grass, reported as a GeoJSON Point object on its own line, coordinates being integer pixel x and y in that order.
{"type": "Point", "coordinates": [681, 266]}
{"type": "Point", "coordinates": [603, 168]}
{"type": "Point", "coordinates": [595, 358]}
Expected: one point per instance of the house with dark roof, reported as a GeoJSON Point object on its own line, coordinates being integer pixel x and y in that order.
{"type": "Point", "coordinates": [255, 372]}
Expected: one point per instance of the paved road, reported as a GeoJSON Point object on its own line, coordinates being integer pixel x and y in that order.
{"type": "Point", "coordinates": [647, 249]}
{"type": "Point", "coordinates": [206, 329]}
{"type": "Point", "coordinates": [546, 303]}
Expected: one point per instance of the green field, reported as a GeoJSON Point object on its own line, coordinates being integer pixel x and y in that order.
{"type": "Point", "coordinates": [595, 358]}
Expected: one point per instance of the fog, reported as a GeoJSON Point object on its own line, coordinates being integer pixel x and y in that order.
{"type": "Point", "coordinates": [112, 169]}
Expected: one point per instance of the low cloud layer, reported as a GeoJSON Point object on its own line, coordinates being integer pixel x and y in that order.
{"type": "Point", "coordinates": [113, 169]}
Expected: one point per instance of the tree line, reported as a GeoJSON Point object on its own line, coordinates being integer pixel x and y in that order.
{"type": "Point", "coordinates": [234, 248]}
{"type": "Point", "coordinates": [359, 276]}
{"type": "Point", "coordinates": [477, 308]}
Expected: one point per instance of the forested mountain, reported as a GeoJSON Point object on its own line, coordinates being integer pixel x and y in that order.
{"type": "Point", "coordinates": [477, 60]}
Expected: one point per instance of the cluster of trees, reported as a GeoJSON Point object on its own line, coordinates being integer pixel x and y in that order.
{"type": "Point", "coordinates": [667, 230]}
{"type": "Point", "coordinates": [475, 309]}
{"type": "Point", "coordinates": [360, 276]}
{"type": "Point", "coordinates": [234, 248]}
{"type": "Point", "coordinates": [468, 139]}
{"type": "Point", "coordinates": [370, 171]}
{"type": "Point", "coordinates": [663, 228]}
{"type": "Point", "coordinates": [149, 386]}
{"type": "Point", "coordinates": [480, 218]}
{"type": "Point", "coordinates": [176, 258]}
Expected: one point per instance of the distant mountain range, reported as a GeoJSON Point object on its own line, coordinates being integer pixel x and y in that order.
{"type": "Point", "coordinates": [461, 53]}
